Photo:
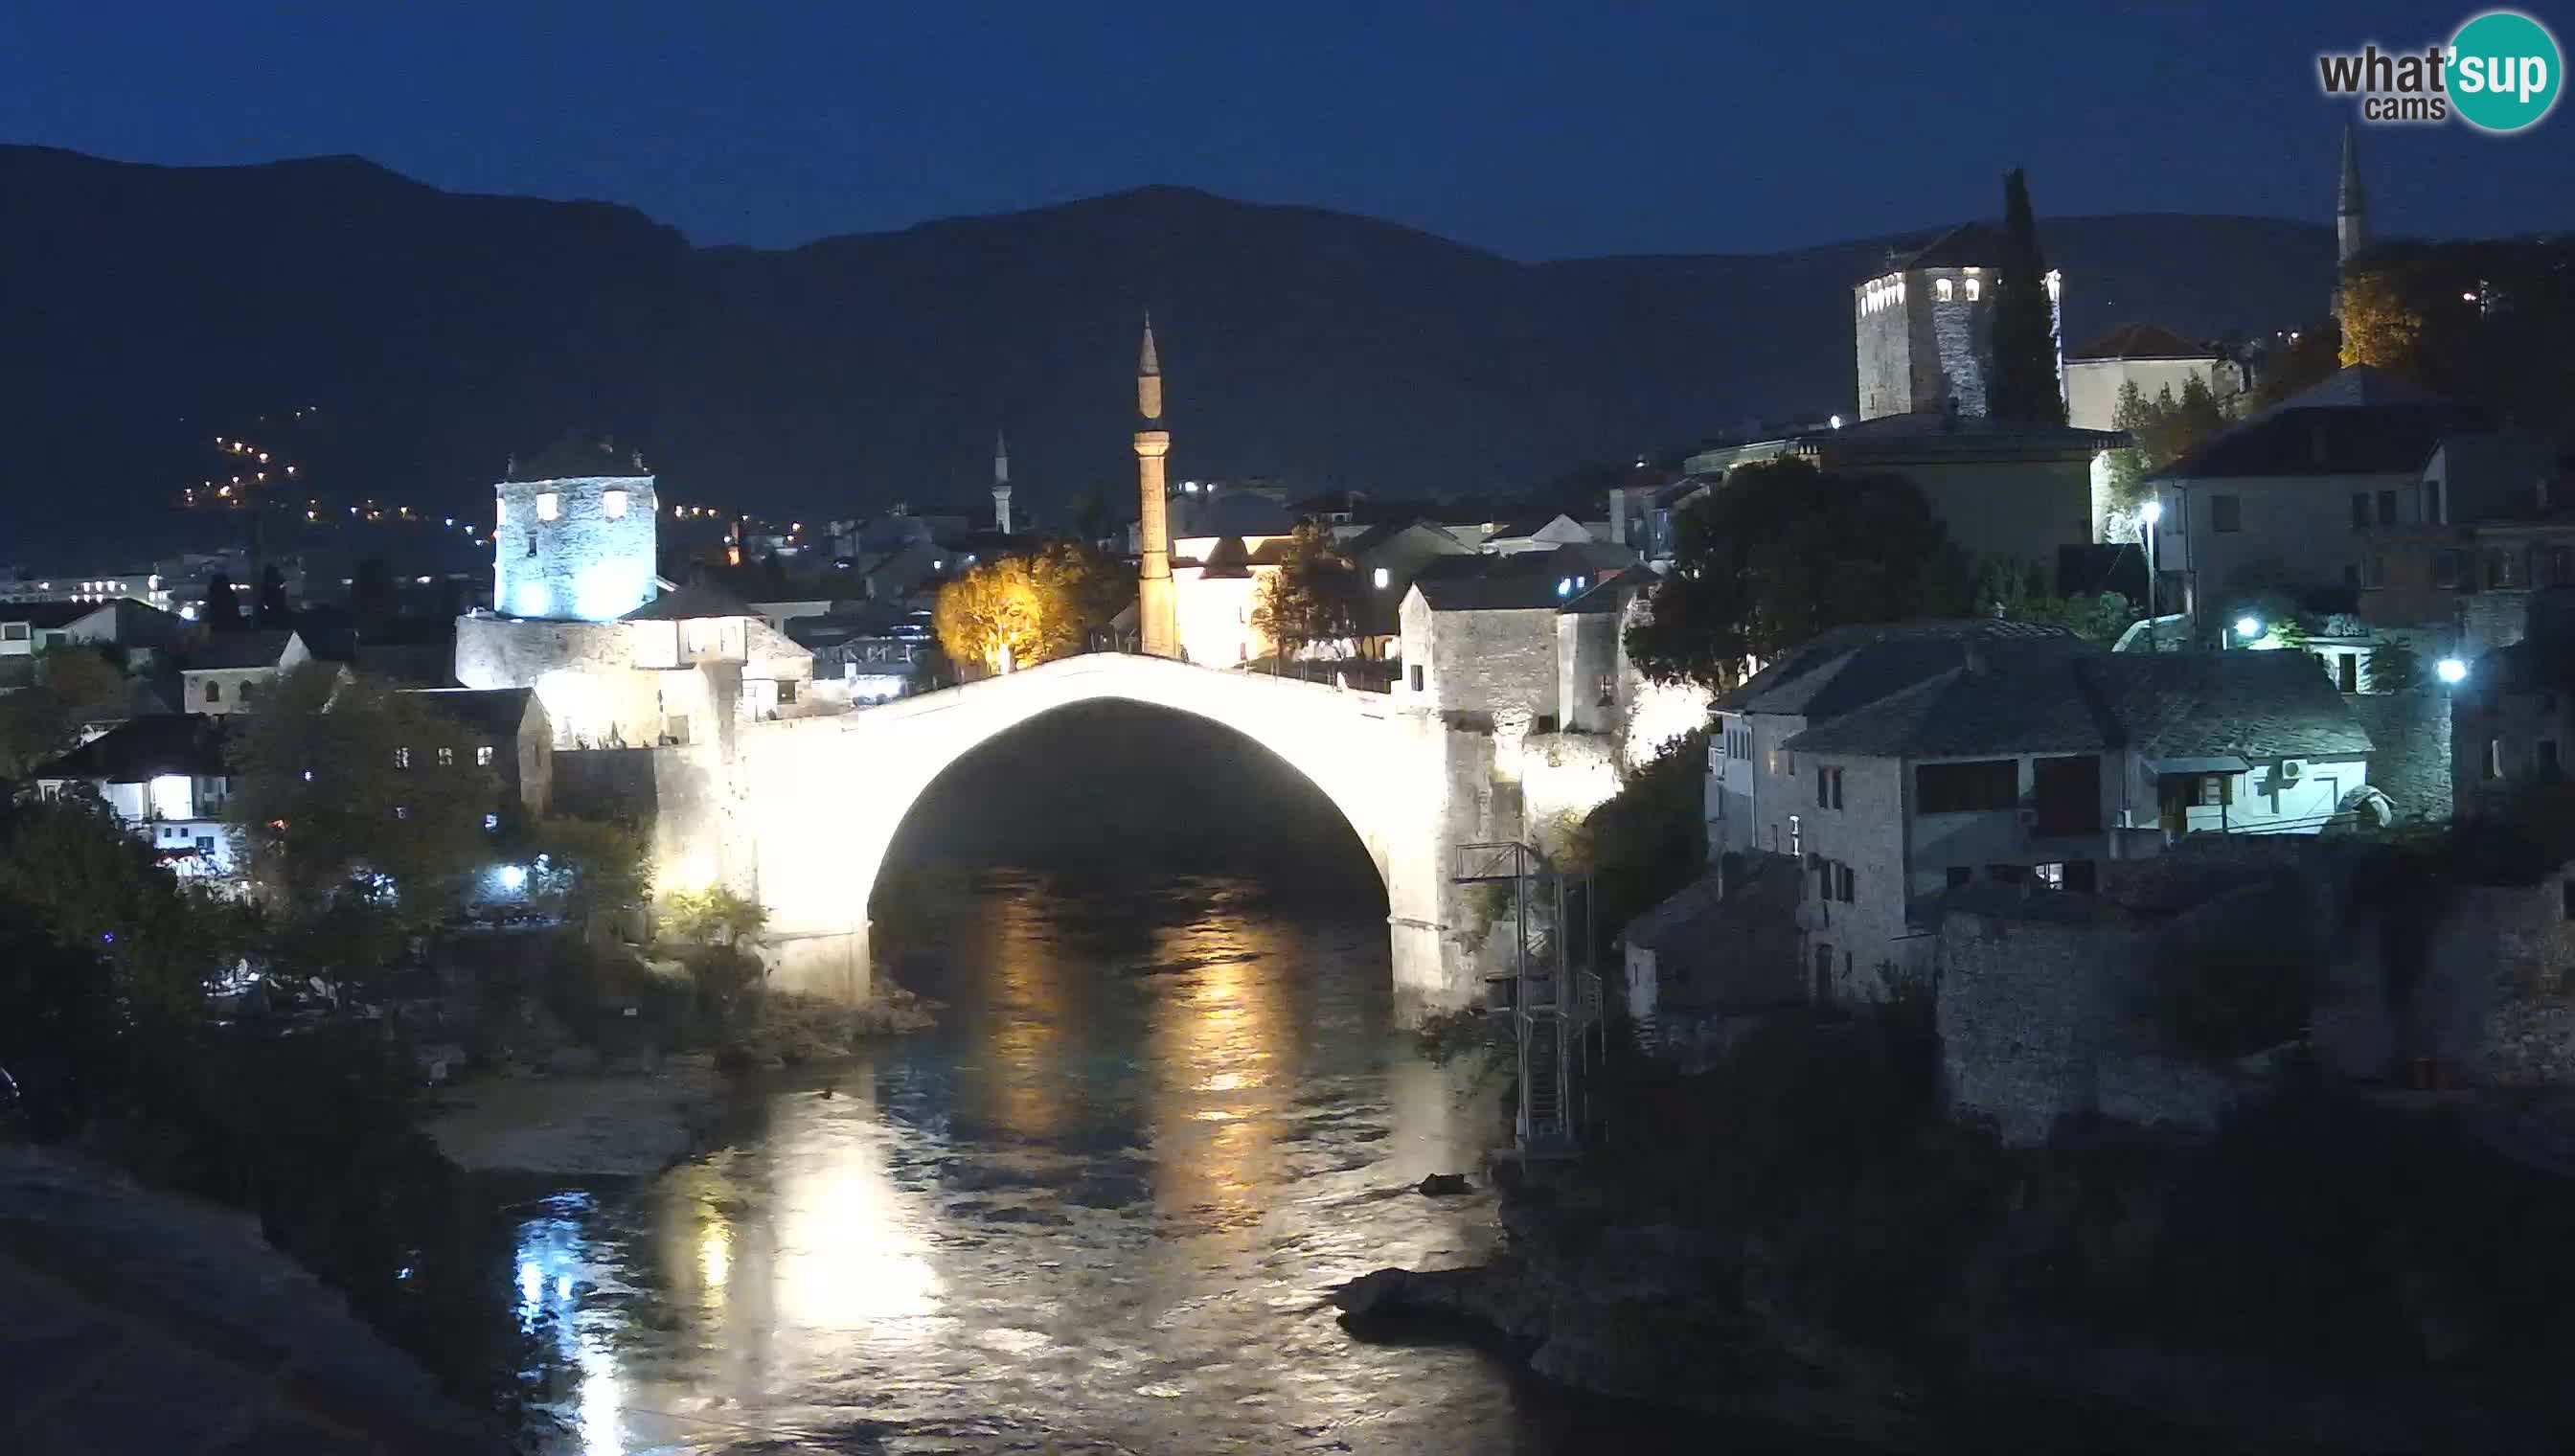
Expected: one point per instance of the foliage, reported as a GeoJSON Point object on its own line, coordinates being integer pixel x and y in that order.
{"type": "Point", "coordinates": [2024, 383]}
{"type": "Point", "coordinates": [1781, 552]}
{"type": "Point", "coordinates": [73, 873]}
{"type": "Point", "coordinates": [2230, 996]}
{"type": "Point", "coordinates": [2394, 667]}
{"type": "Point", "coordinates": [2306, 361]}
{"type": "Point", "coordinates": [1645, 843]}
{"type": "Point", "coordinates": [1314, 595]}
{"type": "Point", "coordinates": [2162, 430]}
{"type": "Point", "coordinates": [2380, 327]}
{"type": "Point", "coordinates": [592, 867]}
{"type": "Point", "coordinates": [713, 917]}
{"type": "Point", "coordinates": [2013, 592]}
{"type": "Point", "coordinates": [272, 611]}
{"type": "Point", "coordinates": [1020, 610]}
{"type": "Point", "coordinates": [357, 811]}
{"type": "Point", "coordinates": [223, 612]}
{"type": "Point", "coordinates": [74, 685]}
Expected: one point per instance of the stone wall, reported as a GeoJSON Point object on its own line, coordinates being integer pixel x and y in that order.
{"type": "Point", "coordinates": [1486, 661]}
{"type": "Point", "coordinates": [2495, 1002]}
{"type": "Point", "coordinates": [1884, 350]}
{"type": "Point", "coordinates": [585, 562]}
{"type": "Point", "coordinates": [2409, 759]}
{"type": "Point", "coordinates": [1962, 339]}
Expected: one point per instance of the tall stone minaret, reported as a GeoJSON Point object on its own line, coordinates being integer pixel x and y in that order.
{"type": "Point", "coordinates": [1001, 483]}
{"type": "Point", "coordinates": [1155, 618]}
{"type": "Point", "coordinates": [2351, 204]}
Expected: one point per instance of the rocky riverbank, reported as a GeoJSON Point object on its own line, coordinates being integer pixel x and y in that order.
{"type": "Point", "coordinates": [580, 1122]}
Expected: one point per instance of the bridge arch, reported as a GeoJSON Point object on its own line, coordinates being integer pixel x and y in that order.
{"type": "Point", "coordinates": [821, 800]}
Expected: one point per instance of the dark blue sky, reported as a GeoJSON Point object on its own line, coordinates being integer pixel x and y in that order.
{"type": "Point", "coordinates": [1535, 131]}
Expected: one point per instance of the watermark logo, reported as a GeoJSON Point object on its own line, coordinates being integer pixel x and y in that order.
{"type": "Point", "coordinates": [2500, 73]}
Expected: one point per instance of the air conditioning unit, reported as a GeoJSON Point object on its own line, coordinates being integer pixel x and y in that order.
{"type": "Point", "coordinates": [2290, 769]}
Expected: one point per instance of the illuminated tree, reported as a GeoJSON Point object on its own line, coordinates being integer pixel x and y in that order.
{"type": "Point", "coordinates": [2379, 326]}
{"type": "Point", "coordinates": [1018, 611]}
{"type": "Point", "coordinates": [713, 917]}
{"type": "Point", "coordinates": [2161, 430]}
{"type": "Point", "coordinates": [1314, 596]}
{"type": "Point", "coordinates": [2024, 385]}
{"type": "Point", "coordinates": [358, 813]}
{"type": "Point", "coordinates": [1781, 552]}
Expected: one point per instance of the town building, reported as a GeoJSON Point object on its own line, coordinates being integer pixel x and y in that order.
{"type": "Point", "coordinates": [1387, 557]}
{"type": "Point", "coordinates": [166, 776]}
{"type": "Point", "coordinates": [2496, 523]}
{"type": "Point", "coordinates": [145, 632]}
{"type": "Point", "coordinates": [509, 736]}
{"type": "Point", "coordinates": [574, 532]}
{"type": "Point", "coordinates": [226, 673]}
{"type": "Point", "coordinates": [2152, 357]}
{"type": "Point", "coordinates": [1480, 633]}
{"type": "Point", "coordinates": [1924, 326]}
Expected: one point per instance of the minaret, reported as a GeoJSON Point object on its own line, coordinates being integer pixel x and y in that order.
{"type": "Point", "coordinates": [2351, 204]}
{"type": "Point", "coordinates": [1001, 484]}
{"type": "Point", "coordinates": [1155, 621]}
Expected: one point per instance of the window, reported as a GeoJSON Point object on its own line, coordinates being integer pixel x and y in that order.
{"type": "Point", "coordinates": [549, 505]}
{"type": "Point", "coordinates": [2066, 792]}
{"type": "Point", "coordinates": [2197, 790]}
{"type": "Point", "coordinates": [490, 823]}
{"type": "Point", "coordinates": [1843, 883]}
{"type": "Point", "coordinates": [2561, 566]}
{"type": "Point", "coordinates": [1380, 578]}
{"type": "Point", "coordinates": [1966, 788]}
{"type": "Point", "coordinates": [13, 631]}
{"type": "Point", "coordinates": [248, 692]}
{"type": "Point", "coordinates": [214, 690]}
{"type": "Point", "coordinates": [205, 843]}
{"type": "Point", "coordinates": [1975, 289]}
{"type": "Point", "coordinates": [1824, 795]}
{"type": "Point", "coordinates": [1945, 289]}
{"type": "Point", "coordinates": [1796, 837]}
{"type": "Point", "coordinates": [2359, 508]}
{"type": "Point", "coordinates": [2547, 757]}
{"type": "Point", "coordinates": [2347, 672]}
{"type": "Point", "coordinates": [1837, 789]}
{"type": "Point", "coordinates": [2491, 766]}
{"type": "Point", "coordinates": [2431, 502]}
{"type": "Point", "coordinates": [402, 757]}
{"type": "Point", "coordinates": [2387, 508]}
{"type": "Point", "coordinates": [2049, 876]}
{"type": "Point", "coordinates": [1416, 677]}
{"type": "Point", "coordinates": [482, 756]}
{"type": "Point", "coordinates": [785, 695]}
{"type": "Point", "coordinates": [447, 758]}
{"type": "Point", "coordinates": [2445, 570]}
{"type": "Point", "coordinates": [612, 504]}
{"type": "Point", "coordinates": [1960, 876]}
{"type": "Point", "coordinates": [2225, 513]}
{"type": "Point", "coordinates": [1823, 973]}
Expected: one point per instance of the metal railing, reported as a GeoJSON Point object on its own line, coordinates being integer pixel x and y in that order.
{"type": "Point", "coordinates": [1550, 991]}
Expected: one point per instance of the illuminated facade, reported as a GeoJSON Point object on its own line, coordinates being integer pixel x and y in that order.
{"type": "Point", "coordinates": [1925, 328]}
{"type": "Point", "coordinates": [1157, 613]}
{"type": "Point", "coordinates": [574, 535]}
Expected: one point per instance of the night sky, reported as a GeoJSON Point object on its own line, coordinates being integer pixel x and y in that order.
{"type": "Point", "coordinates": [1537, 131]}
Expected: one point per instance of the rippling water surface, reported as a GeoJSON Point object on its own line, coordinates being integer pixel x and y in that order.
{"type": "Point", "coordinates": [1099, 1209]}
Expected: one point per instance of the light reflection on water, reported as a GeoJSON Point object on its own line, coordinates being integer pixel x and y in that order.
{"type": "Point", "coordinates": [1097, 1210]}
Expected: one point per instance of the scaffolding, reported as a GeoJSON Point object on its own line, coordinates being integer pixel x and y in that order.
{"type": "Point", "coordinates": [1552, 992]}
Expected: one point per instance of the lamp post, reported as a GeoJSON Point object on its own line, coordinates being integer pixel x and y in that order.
{"type": "Point", "coordinates": [2148, 515]}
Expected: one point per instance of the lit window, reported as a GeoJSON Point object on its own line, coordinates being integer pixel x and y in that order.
{"type": "Point", "coordinates": [490, 823]}
{"type": "Point", "coordinates": [482, 756]}
{"type": "Point", "coordinates": [612, 504]}
{"type": "Point", "coordinates": [402, 757]}
{"type": "Point", "coordinates": [1943, 288]}
{"type": "Point", "coordinates": [401, 811]}
{"type": "Point", "coordinates": [549, 505]}
{"type": "Point", "coordinates": [447, 758]}
{"type": "Point", "coordinates": [1975, 289]}
{"type": "Point", "coordinates": [1382, 579]}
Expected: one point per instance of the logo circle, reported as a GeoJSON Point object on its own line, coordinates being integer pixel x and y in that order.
{"type": "Point", "coordinates": [2505, 71]}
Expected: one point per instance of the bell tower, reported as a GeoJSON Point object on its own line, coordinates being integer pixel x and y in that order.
{"type": "Point", "coordinates": [1154, 615]}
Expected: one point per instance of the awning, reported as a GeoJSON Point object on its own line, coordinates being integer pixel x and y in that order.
{"type": "Point", "coordinates": [2220, 763]}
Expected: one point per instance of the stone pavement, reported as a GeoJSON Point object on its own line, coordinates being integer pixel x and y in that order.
{"type": "Point", "coordinates": [133, 1321]}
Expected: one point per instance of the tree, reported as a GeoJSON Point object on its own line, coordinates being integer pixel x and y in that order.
{"type": "Point", "coordinates": [2393, 667]}
{"type": "Point", "coordinates": [593, 868]}
{"type": "Point", "coordinates": [371, 597]}
{"type": "Point", "coordinates": [69, 866]}
{"type": "Point", "coordinates": [2380, 325]}
{"type": "Point", "coordinates": [1018, 611]}
{"type": "Point", "coordinates": [358, 811]}
{"type": "Point", "coordinates": [271, 599]}
{"type": "Point", "coordinates": [2306, 359]}
{"type": "Point", "coordinates": [1781, 552]}
{"type": "Point", "coordinates": [223, 605]}
{"type": "Point", "coordinates": [74, 686]}
{"type": "Point", "coordinates": [2013, 592]}
{"type": "Point", "coordinates": [2160, 430]}
{"type": "Point", "coordinates": [1314, 596]}
{"type": "Point", "coordinates": [2024, 381]}
{"type": "Point", "coordinates": [713, 917]}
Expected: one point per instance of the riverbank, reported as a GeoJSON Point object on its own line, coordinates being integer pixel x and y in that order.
{"type": "Point", "coordinates": [629, 1124]}
{"type": "Point", "coordinates": [2330, 1276]}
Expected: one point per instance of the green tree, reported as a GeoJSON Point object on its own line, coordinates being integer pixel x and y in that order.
{"type": "Point", "coordinates": [1781, 552]}
{"type": "Point", "coordinates": [713, 917]}
{"type": "Point", "coordinates": [223, 611]}
{"type": "Point", "coordinates": [2015, 592]}
{"type": "Point", "coordinates": [590, 867]}
{"type": "Point", "coordinates": [2024, 381]}
{"type": "Point", "coordinates": [69, 866]}
{"type": "Point", "coordinates": [358, 813]}
{"type": "Point", "coordinates": [2297, 364]}
{"type": "Point", "coordinates": [1315, 597]}
{"type": "Point", "coordinates": [74, 686]}
{"type": "Point", "coordinates": [2394, 667]}
{"type": "Point", "coordinates": [2160, 430]}
{"type": "Point", "coordinates": [2381, 327]}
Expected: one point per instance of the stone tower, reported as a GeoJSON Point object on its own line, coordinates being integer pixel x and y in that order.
{"type": "Point", "coordinates": [574, 534]}
{"type": "Point", "coordinates": [2351, 204]}
{"type": "Point", "coordinates": [1923, 327]}
{"type": "Point", "coordinates": [1156, 620]}
{"type": "Point", "coordinates": [1001, 484]}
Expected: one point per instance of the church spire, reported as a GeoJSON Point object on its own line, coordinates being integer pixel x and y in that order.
{"type": "Point", "coordinates": [2351, 203]}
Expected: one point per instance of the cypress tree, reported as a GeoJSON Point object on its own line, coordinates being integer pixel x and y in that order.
{"type": "Point", "coordinates": [2024, 385]}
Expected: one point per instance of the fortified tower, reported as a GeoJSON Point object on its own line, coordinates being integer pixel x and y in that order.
{"type": "Point", "coordinates": [1156, 620]}
{"type": "Point", "coordinates": [1001, 483]}
{"type": "Point", "coordinates": [573, 534]}
{"type": "Point", "coordinates": [1923, 327]}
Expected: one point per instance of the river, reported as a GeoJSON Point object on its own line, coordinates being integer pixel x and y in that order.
{"type": "Point", "coordinates": [1099, 1209]}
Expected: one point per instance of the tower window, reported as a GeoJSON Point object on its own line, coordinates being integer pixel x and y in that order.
{"type": "Point", "coordinates": [549, 505]}
{"type": "Point", "coordinates": [1945, 289]}
{"type": "Point", "coordinates": [612, 504]}
{"type": "Point", "coordinates": [1975, 289]}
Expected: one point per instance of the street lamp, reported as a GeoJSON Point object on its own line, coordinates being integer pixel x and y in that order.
{"type": "Point", "coordinates": [2451, 671]}
{"type": "Point", "coordinates": [2247, 629]}
{"type": "Point", "coordinates": [2150, 514]}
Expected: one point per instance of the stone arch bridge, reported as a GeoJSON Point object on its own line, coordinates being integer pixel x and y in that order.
{"type": "Point", "coordinates": [815, 804]}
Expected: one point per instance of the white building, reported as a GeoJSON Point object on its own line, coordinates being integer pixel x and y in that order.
{"type": "Point", "coordinates": [29, 628]}
{"type": "Point", "coordinates": [226, 673]}
{"type": "Point", "coordinates": [2155, 358]}
{"type": "Point", "coordinates": [166, 777]}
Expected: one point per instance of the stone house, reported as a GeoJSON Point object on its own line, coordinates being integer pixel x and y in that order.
{"type": "Point", "coordinates": [2305, 485]}
{"type": "Point", "coordinates": [509, 736]}
{"type": "Point", "coordinates": [1533, 532]}
{"type": "Point", "coordinates": [2497, 522]}
{"type": "Point", "coordinates": [1388, 556]}
{"type": "Point", "coordinates": [2512, 718]}
{"type": "Point", "coordinates": [2149, 356]}
{"type": "Point", "coordinates": [167, 779]}
{"type": "Point", "coordinates": [224, 672]}
{"type": "Point", "coordinates": [1480, 633]}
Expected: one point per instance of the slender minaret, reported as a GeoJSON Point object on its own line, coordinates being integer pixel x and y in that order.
{"type": "Point", "coordinates": [2351, 203]}
{"type": "Point", "coordinates": [1001, 483]}
{"type": "Point", "coordinates": [1155, 618]}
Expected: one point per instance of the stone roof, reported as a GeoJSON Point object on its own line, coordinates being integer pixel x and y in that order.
{"type": "Point", "coordinates": [1969, 244]}
{"type": "Point", "coordinates": [497, 711]}
{"type": "Point", "coordinates": [580, 457]}
{"type": "Point", "coordinates": [2254, 704]}
{"type": "Point", "coordinates": [2034, 700]}
{"type": "Point", "coordinates": [256, 647]}
{"type": "Point", "coordinates": [692, 601]}
{"type": "Point", "coordinates": [50, 614]}
{"type": "Point", "coordinates": [1516, 580]}
{"type": "Point", "coordinates": [1848, 668]}
{"type": "Point", "coordinates": [2143, 340]}
{"type": "Point", "coordinates": [2361, 421]}
{"type": "Point", "coordinates": [144, 749]}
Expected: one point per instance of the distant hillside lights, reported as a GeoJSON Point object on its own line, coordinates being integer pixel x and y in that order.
{"type": "Point", "coordinates": [580, 547]}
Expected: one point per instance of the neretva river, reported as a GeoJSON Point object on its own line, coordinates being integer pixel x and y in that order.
{"type": "Point", "coordinates": [1099, 1209]}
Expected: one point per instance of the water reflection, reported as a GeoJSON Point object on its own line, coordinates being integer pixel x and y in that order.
{"type": "Point", "coordinates": [1097, 1210]}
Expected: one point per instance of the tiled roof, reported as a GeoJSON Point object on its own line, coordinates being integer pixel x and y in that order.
{"type": "Point", "coordinates": [2254, 704]}
{"type": "Point", "coordinates": [1517, 581]}
{"type": "Point", "coordinates": [144, 749]}
{"type": "Point", "coordinates": [2361, 421]}
{"type": "Point", "coordinates": [1848, 668]}
{"type": "Point", "coordinates": [50, 614]}
{"type": "Point", "coordinates": [257, 647]}
{"type": "Point", "coordinates": [690, 603]}
{"type": "Point", "coordinates": [2022, 699]}
{"type": "Point", "coordinates": [498, 711]}
{"type": "Point", "coordinates": [2143, 340]}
